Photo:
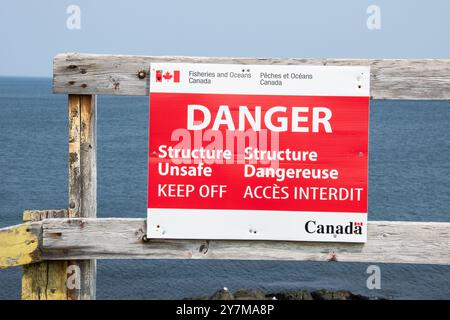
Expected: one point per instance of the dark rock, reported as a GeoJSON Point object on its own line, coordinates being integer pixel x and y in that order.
{"type": "Point", "coordinates": [249, 294]}
{"type": "Point", "coordinates": [222, 294]}
{"type": "Point", "coordinates": [336, 295]}
{"type": "Point", "coordinates": [253, 294]}
{"type": "Point", "coordinates": [292, 295]}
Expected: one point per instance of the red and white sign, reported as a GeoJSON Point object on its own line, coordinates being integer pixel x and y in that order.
{"type": "Point", "coordinates": [258, 152]}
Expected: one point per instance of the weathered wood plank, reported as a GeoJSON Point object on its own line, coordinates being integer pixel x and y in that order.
{"type": "Point", "coordinates": [19, 245]}
{"type": "Point", "coordinates": [34, 280]}
{"type": "Point", "coordinates": [44, 280]}
{"type": "Point", "coordinates": [88, 161]}
{"type": "Point", "coordinates": [75, 73]}
{"type": "Point", "coordinates": [74, 156]}
{"type": "Point", "coordinates": [112, 238]}
{"type": "Point", "coordinates": [83, 180]}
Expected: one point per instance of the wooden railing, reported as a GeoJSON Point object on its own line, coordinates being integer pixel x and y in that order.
{"type": "Point", "coordinates": [51, 244]}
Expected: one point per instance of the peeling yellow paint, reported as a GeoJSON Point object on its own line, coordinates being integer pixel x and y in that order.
{"type": "Point", "coordinates": [45, 280]}
{"type": "Point", "coordinates": [57, 280]}
{"type": "Point", "coordinates": [18, 246]}
{"type": "Point", "coordinates": [28, 215]}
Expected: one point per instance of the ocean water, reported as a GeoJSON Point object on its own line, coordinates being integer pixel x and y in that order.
{"type": "Point", "coordinates": [409, 180]}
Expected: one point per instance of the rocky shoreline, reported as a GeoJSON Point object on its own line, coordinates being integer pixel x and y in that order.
{"type": "Point", "coordinates": [253, 294]}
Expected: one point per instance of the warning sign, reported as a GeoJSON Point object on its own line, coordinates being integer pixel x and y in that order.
{"type": "Point", "coordinates": [258, 152]}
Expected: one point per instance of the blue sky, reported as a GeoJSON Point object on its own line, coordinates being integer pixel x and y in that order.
{"type": "Point", "coordinates": [32, 32]}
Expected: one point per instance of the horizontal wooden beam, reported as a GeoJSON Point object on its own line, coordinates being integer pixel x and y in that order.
{"type": "Point", "coordinates": [76, 73]}
{"type": "Point", "coordinates": [390, 242]}
{"type": "Point", "coordinates": [19, 245]}
{"type": "Point", "coordinates": [117, 238]}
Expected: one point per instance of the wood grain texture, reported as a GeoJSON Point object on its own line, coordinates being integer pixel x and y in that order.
{"type": "Point", "coordinates": [44, 280]}
{"type": "Point", "coordinates": [77, 73]}
{"type": "Point", "coordinates": [19, 245]}
{"type": "Point", "coordinates": [83, 180]}
{"type": "Point", "coordinates": [75, 182]}
{"type": "Point", "coordinates": [112, 238]}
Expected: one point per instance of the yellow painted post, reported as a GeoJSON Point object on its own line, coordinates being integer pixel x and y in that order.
{"type": "Point", "coordinates": [44, 280]}
{"type": "Point", "coordinates": [53, 279]}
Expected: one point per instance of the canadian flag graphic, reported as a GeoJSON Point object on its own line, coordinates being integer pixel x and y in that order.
{"type": "Point", "coordinates": [167, 76]}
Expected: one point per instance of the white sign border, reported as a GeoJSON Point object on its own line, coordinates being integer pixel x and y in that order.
{"type": "Point", "coordinates": [251, 224]}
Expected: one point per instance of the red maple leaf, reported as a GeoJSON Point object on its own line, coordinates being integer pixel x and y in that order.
{"type": "Point", "coordinates": [167, 76]}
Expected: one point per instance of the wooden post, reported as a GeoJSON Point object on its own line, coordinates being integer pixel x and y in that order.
{"type": "Point", "coordinates": [82, 186]}
{"type": "Point", "coordinates": [73, 280]}
{"type": "Point", "coordinates": [44, 280]}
